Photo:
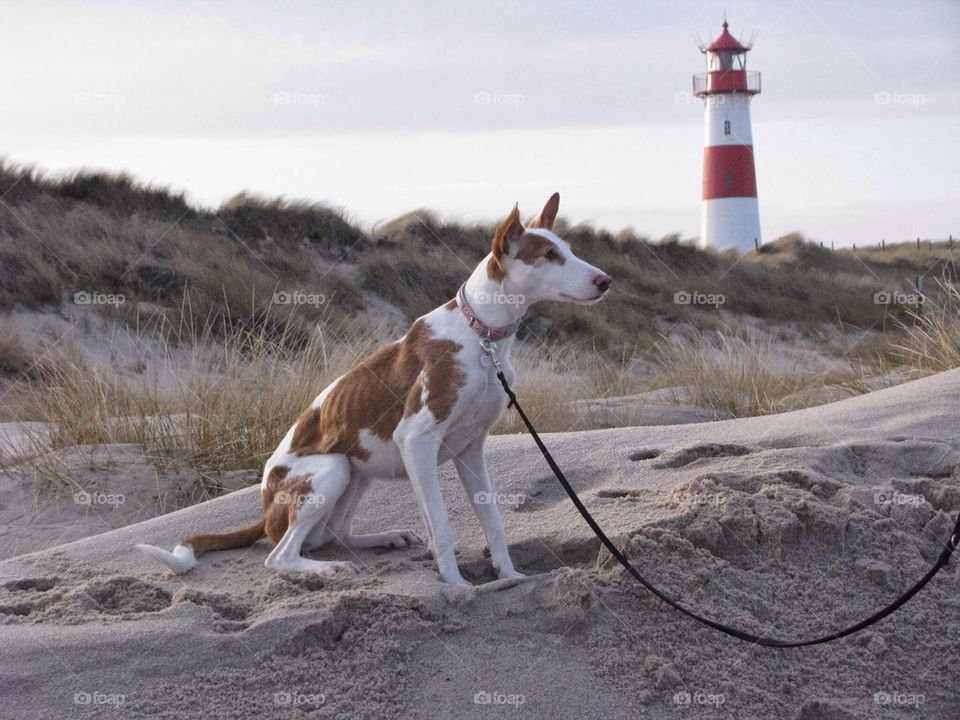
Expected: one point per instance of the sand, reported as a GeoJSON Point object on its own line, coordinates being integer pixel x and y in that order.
{"type": "Point", "coordinates": [788, 525]}
{"type": "Point", "coordinates": [85, 490]}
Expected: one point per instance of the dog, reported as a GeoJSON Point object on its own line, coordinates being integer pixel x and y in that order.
{"type": "Point", "coordinates": [406, 409]}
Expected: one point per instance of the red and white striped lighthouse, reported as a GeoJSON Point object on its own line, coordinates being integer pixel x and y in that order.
{"type": "Point", "coordinates": [730, 217]}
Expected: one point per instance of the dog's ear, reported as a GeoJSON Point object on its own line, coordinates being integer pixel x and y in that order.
{"type": "Point", "coordinates": [509, 231]}
{"type": "Point", "coordinates": [549, 213]}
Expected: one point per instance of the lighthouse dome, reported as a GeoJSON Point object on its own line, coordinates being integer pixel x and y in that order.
{"type": "Point", "coordinates": [726, 41]}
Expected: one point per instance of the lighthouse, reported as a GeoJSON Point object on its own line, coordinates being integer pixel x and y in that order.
{"type": "Point", "coordinates": [730, 217]}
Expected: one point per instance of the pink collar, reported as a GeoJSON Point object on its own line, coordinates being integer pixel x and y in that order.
{"type": "Point", "coordinates": [493, 334]}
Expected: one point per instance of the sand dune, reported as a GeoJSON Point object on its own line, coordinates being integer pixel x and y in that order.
{"type": "Point", "coordinates": [787, 525]}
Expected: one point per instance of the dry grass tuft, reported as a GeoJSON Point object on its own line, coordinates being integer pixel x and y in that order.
{"type": "Point", "coordinates": [316, 225]}
{"type": "Point", "coordinates": [932, 339]}
{"type": "Point", "coordinates": [551, 379]}
{"type": "Point", "coordinates": [20, 358]}
{"type": "Point", "coordinates": [227, 406]}
{"type": "Point", "coordinates": [15, 356]}
{"type": "Point", "coordinates": [741, 374]}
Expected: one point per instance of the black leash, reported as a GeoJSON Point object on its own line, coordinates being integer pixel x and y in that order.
{"type": "Point", "coordinates": [952, 544]}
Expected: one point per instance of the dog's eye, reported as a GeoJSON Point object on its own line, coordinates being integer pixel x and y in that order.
{"type": "Point", "coordinates": [551, 255]}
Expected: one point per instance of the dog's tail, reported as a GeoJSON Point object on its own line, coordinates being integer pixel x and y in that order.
{"type": "Point", "coordinates": [184, 555]}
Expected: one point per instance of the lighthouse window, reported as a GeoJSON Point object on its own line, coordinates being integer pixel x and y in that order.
{"type": "Point", "coordinates": [726, 127]}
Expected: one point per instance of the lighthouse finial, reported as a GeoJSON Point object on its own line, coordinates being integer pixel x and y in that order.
{"type": "Point", "coordinates": [724, 19]}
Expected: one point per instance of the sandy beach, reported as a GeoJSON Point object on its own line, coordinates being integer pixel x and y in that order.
{"type": "Point", "coordinates": [787, 525]}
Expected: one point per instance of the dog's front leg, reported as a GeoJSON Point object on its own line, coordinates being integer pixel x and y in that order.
{"type": "Point", "coordinates": [472, 469]}
{"type": "Point", "coordinates": [420, 456]}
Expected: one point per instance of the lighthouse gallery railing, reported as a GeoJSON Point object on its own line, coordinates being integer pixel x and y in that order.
{"type": "Point", "coordinates": [723, 81]}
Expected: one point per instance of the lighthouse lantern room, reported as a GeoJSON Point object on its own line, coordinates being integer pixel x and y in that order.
{"type": "Point", "coordinates": [730, 216]}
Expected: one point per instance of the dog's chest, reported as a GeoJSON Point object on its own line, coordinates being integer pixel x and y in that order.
{"type": "Point", "coordinates": [482, 400]}
{"type": "Point", "coordinates": [480, 406]}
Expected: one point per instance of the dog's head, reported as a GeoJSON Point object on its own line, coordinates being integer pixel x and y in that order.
{"type": "Point", "coordinates": [538, 264]}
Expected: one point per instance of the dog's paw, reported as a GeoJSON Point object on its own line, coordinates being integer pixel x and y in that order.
{"type": "Point", "coordinates": [338, 567]}
{"type": "Point", "coordinates": [403, 538]}
{"type": "Point", "coordinates": [391, 539]}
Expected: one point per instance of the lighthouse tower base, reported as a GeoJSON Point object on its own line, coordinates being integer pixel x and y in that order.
{"type": "Point", "coordinates": [732, 222]}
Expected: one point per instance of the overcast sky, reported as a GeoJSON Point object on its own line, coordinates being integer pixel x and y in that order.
{"type": "Point", "coordinates": [468, 107]}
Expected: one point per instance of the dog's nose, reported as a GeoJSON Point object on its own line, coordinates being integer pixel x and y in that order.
{"type": "Point", "coordinates": [602, 282]}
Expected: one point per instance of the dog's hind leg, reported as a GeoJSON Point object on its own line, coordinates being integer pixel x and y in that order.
{"type": "Point", "coordinates": [305, 500]}
{"type": "Point", "coordinates": [340, 527]}
{"type": "Point", "coordinates": [337, 526]}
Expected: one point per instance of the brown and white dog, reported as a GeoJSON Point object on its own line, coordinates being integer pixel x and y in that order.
{"type": "Point", "coordinates": [416, 403]}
